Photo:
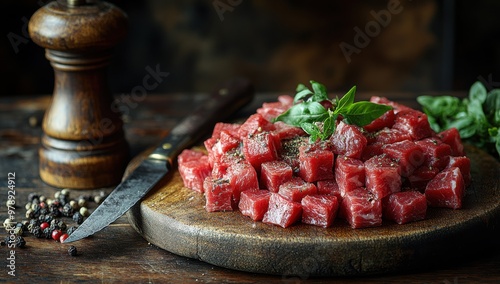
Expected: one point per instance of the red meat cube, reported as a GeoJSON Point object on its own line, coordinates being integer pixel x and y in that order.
{"type": "Point", "coordinates": [463, 163]}
{"type": "Point", "coordinates": [286, 131]}
{"type": "Point", "coordinates": [226, 143]}
{"type": "Point", "coordinates": [230, 128]}
{"type": "Point", "coordinates": [289, 151]}
{"type": "Point", "coordinates": [218, 195]}
{"type": "Point", "coordinates": [188, 155]}
{"type": "Point", "coordinates": [422, 176]}
{"type": "Point", "coordinates": [316, 162]}
{"type": "Point", "coordinates": [271, 110]}
{"type": "Point", "coordinates": [329, 187]}
{"type": "Point", "coordinates": [372, 150]}
{"type": "Point", "coordinates": [452, 137]}
{"type": "Point", "coordinates": [404, 207]}
{"type": "Point", "coordinates": [296, 188]}
{"type": "Point", "coordinates": [389, 136]}
{"type": "Point", "coordinates": [286, 100]}
{"type": "Point", "coordinates": [194, 172]}
{"type": "Point", "coordinates": [349, 174]}
{"type": "Point", "coordinates": [382, 176]}
{"type": "Point", "coordinates": [397, 107]}
{"type": "Point", "coordinates": [254, 203]}
{"type": "Point", "coordinates": [408, 155]}
{"type": "Point", "coordinates": [281, 211]}
{"type": "Point", "coordinates": [362, 209]}
{"type": "Point", "coordinates": [274, 173]}
{"type": "Point", "coordinates": [436, 153]}
{"type": "Point", "coordinates": [319, 210]}
{"type": "Point", "coordinates": [254, 124]}
{"type": "Point", "coordinates": [446, 189]}
{"type": "Point", "coordinates": [386, 120]}
{"type": "Point", "coordinates": [259, 148]}
{"type": "Point", "coordinates": [348, 140]}
{"type": "Point", "coordinates": [241, 176]}
{"type": "Point", "coordinates": [413, 122]}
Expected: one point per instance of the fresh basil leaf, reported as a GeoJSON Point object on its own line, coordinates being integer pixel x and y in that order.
{"type": "Point", "coordinates": [475, 110]}
{"type": "Point", "coordinates": [363, 113]}
{"type": "Point", "coordinates": [303, 112]}
{"type": "Point", "coordinates": [465, 126]}
{"type": "Point", "coordinates": [312, 129]}
{"type": "Point", "coordinates": [440, 107]}
{"type": "Point", "coordinates": [477, 92]}
{"type": "Point", "coordinates": [329, 126]}
{"type": "Point", "coordinates": [302, 95]}
{"type": "Point", "coordinates": [301, 87]}
{"type": "Point", "coordinates": [434, 123]}
{"type": "Point", "coordinates": [346, 100]}
{"type": "Point", "coordinates": [319, 92]}
{"type": "Point", "coordinates": [492, 107]}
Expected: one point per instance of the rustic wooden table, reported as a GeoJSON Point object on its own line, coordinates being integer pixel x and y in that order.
{"type": "Point", "coordinates": [118, 253]}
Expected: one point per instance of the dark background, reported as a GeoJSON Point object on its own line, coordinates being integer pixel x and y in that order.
{"type": "Point", "coordinates": [430, 45]}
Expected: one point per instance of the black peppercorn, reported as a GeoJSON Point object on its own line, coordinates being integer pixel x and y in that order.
{"type": "Point", "coordinates": [37, 232]}
{"type": "Point", "coordinates": [71, 230]}
{"type": "Point", "coordinates": [32, 196]}
{"type": "Point", "coordinates": [63, 199]}
{"type": "Point", "coordinates": [20, 242]}
{"type": "Point", "coordinates": [47, 233]}
{"type": "Point", "coordinates": [67, 210]}
{"type": "Point", "coordinates": [72, 251]}
{"type": "Point", "coordinates": [35, 222]}
{"type": "Point", "coordinates": [78, 218]}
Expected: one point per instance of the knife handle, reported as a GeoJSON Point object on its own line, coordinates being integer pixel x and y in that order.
{"type": "Point", "coordinates": [225, 100]}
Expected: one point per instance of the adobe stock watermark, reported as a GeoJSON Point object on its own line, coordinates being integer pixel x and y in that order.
{"type": "Point", "coordinates": [17, 39]}
{"type": "Point", "coordinates": [223, 6]}
{"type": "Point", "coordinates": [126, 102]}
{"type": "Point", "coordinates": [489, 84]}
{"type": "Point", "coordinates": [373, 28]}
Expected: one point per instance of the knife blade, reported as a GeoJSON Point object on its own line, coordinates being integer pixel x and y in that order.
{"type": "Point", "coordinates": [224, 101]}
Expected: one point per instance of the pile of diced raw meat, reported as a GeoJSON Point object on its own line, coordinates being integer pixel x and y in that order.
{"type": "Point", "coordinates": [391, 169]}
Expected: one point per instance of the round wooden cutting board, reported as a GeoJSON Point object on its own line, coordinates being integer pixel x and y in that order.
{"type": "Point", "coordinates": [173, 217]}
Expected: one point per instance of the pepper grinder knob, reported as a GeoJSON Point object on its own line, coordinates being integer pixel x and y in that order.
{"type": "Point", "coordinates": [83, 144]}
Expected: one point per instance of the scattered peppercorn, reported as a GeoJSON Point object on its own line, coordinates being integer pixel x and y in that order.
{"type": "Point", "coordinates": [20, 242]}
{"type": "Point", "coordinates": [18, 231]}
{"type": "Point", "coordinates": [56, 234]}
{"type": "Point", "coordinates": [45, 217]}
{"type": "Point", "coordinates": [72, 251]}
{"type": "Point", "coordinates": [67, 210]}
{"type": "Point", "coordinates": [44, 225]}
{"type": "Point", "coordinates": [78, 218]}
{"type": "Point", "coordinates": [71, 230]}
{"type": "Point", "coordinates": [37, 232]}
{"type": "Point", "coordinates": [47, 233]}
{"type": "Point", "coordinates": [63, 237]}
{"type": "Point", "coordinates": [82, 202]}
{"type": "Point", "coordinates": [84, 211]}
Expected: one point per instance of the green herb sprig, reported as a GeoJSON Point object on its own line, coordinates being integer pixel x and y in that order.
{"type": "Point", "coordinates": [316, 114]}
{"type": "Point", "coordinates": [476, 117]}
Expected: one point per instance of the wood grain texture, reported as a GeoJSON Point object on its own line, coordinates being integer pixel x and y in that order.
{"type": "Point", "coordinates": [173, 218]}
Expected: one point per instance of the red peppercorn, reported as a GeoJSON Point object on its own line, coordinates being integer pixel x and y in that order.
{"type": "Point", "coordinates": [44, 225]}
{"type": "Point", "coordinates": [63, 237]}
{"type": "Point", "coordinates": [56, 234]}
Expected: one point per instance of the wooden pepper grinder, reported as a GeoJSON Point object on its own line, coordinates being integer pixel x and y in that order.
{"type": "Point", "coordinates": [83, 145]}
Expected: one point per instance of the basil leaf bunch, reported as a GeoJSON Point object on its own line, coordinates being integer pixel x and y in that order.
{"type": "Point", "coordinates": [476, 117]}
{"type": "Point", "coordinates": [317, 115]}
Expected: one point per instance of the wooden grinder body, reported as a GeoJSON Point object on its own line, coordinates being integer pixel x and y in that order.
{"type": "Point", "coordinates": [83, 145]}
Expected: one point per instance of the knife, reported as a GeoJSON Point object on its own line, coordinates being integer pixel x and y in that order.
{"type": "Point", "coordinates": [225, 101]}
